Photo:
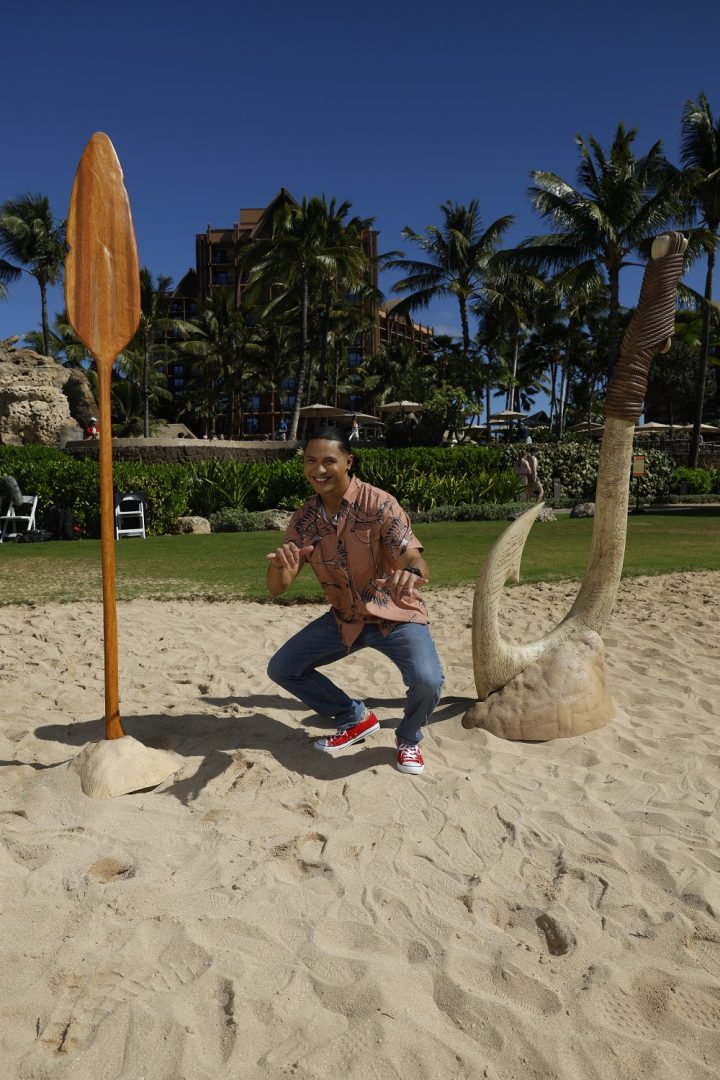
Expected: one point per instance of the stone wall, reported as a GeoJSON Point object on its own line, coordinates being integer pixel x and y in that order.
{"type": "Point", "coordinates": [185, 451]}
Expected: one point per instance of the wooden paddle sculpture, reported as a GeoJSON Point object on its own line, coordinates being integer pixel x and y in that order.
{"type": "Point", "coordinates": [556, 686]}
{"type": "Point", "coordinates": [102, 293]}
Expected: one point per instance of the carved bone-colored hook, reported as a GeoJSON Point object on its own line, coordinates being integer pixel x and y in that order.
{"type": "Point", "coordinates": [495, 660]}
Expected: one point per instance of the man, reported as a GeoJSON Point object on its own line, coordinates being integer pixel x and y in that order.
{"type": "Point", "coordinates": [360, 544]}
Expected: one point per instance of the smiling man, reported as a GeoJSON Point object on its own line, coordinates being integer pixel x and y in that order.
{"type": "Point", "coordinates": [359, 542]}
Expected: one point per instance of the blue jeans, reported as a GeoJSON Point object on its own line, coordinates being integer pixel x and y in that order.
{"type": "Point", "coordinates": [408, 645]}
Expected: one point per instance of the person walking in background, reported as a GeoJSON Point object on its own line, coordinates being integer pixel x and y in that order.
{"type": "Point", "coordinates": [523, 469]}
{"type": "Point", "coordinates": [355, 430]}
{"type": "Point", "coordinates": [359, 542]}
{"type": "Point", "coordinates": [534, 486]}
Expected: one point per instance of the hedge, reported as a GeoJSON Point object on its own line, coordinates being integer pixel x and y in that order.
{"type": "Point", "coordinates": [423, 479]}
{"type": "Point", "coordinates": [60, 480]}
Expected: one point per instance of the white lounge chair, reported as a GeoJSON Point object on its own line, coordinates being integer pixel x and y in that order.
{"type": "Point", "coordinates": [19, 513]}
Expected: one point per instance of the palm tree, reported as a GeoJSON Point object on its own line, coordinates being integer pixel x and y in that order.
{"type": "Point", "coordinates": [620, 201]}
{"type": "Point", "coordinates": [129, 394]}
{"type": "Point", "coordinates": [224, 348]}
{"type": "Point", "coordinates": [460, 255]}
{"type": "Point", "coordinates": [156, 329]}
{"type": "Point", "coordinates": [64, 344]}
{"type": "Point", "coordinates": [512, 295]}
{"type": "Point", "coordinates": [30, 236]}
{"type": "Point", "coordinates": [396, 372]}
{"type": "Point", "coordinates": [700, 154]}
{"type": "Point", "coordinates": [311, 245]}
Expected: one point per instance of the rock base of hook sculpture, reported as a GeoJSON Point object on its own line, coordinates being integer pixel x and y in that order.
{"type": "Point", "coordinates": [119, 766]}
{"type": "Point", "coordinates": [561, 695]}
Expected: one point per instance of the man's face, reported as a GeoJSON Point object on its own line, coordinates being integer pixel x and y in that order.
{"type": "Point", "coordinates": [326, 468]}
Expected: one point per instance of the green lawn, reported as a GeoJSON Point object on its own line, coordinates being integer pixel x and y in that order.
{"type": "Point", "coordinates": [226, 566]}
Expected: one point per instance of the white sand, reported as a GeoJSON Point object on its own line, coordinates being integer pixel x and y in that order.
{"type": "Point", "coordinates": [519, 911]}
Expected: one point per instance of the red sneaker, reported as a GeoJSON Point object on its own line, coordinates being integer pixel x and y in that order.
{"type": "Point", "coordinates": [409, 758]}
{"type": "Point", "coordinates": [342, 739]}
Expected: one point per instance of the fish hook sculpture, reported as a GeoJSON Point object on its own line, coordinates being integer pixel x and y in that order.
{"type": "Point", "coordinates": [555, 687]}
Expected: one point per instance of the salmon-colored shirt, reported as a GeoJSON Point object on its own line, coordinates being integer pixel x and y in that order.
{"type": "Point", "coordinates": [363, 544]}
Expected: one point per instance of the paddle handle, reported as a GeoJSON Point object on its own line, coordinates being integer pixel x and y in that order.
{"type": "Point", "coordinates": [113, 724]}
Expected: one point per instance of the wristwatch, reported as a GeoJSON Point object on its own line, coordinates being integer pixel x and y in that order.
{"type": "Point", "coordinates": [414, 570]}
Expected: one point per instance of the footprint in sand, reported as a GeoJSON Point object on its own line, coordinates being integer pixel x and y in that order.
{"type": "Point", "coordinates": [111, 869]}
{"type": "Point", "coordinates": [707, 955]}
{"type": "Point", "coordinates": [621, 1012]}
{"type": "Point", "coordinates": [90, 998]}
{"type": "Point", "coordinates": [506, 984]}
{"type": "Point", "coordinates": [559, 940]}
{"type": "Point", "coordinates": [699, 1005]}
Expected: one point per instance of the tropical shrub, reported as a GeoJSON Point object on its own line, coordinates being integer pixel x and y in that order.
{"type": "Point", "coordinates": [279, 484]}
{"type": "Point", "coordinates": [575, 465]}
{"type": "Point", "coordinates": [217, 483]}
{"type": "Point", "coordinates": [233, 520]}
{"type": "Point", "coordinates": [693, 481]}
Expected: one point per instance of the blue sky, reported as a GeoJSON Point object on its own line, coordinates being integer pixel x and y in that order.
{"type": "Point", "coordinates": [393, 106]}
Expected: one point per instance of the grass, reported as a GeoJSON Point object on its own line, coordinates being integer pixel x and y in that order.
{"type": "Point", "coordinates": [231, 566]}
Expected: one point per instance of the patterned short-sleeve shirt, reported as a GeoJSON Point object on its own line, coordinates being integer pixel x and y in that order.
{"type": "Point", "coordinates": [361, 545]}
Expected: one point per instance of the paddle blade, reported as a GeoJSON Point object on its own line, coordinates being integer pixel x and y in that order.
{"type": "Point", "coordinates": [102, 279]}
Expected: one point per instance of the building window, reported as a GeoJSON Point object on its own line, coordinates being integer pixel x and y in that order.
{"type": "Point", "coordinates": [178, 369]}
{"type": "Point", "coordinates": [253, 403]}
{"type": "Point", "coordinates": [219, 255]}
{"type": "Point", "coordinates": [251, 423]}
{"type": "Point", "coordinates": [221, 277]}
{"type": "Point", "coordinates": [287, 384]}
{"type": "Point", "coordinates": [287, 403]}
{"type": "Point", "coordinates": [354, 358]}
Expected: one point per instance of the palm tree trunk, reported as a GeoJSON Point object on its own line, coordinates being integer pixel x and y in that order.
{"type": "Point", "coordinates": [324, 331]}
{"type": "Point", "coordinates": [564, 383]}
{"type": "Point", "coordinates": [613, 319]}
{"type": "Point", "coordinates": [516, 354]}
{"type": "Point", "coordinates": [146, 389]}
{"type": "Point", "coordinates": [465, 326]}
{"type": "Point", "coordinates": [488, 405]}
{"type": "Point", "coordinates": [44, 315]}
{"type": "Point", "coordinates": [704, 353]}
{"type": "Point", "coordinates": [302, 370]}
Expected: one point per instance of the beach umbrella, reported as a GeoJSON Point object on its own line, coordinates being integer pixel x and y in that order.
{"type": "Point", "coordinates": [319, 412]}
{"type": "Point", "coordinates": [362, 418]}
{"type": "Point", "coordinates": [706, 428]}
{"type": "Point", "coordinates": [507, 414]}
{"type": "Point", "coordinates": [401, 406]}
{"type": "Point", "coordinates": [651, 428]}
{"type": "Point", "coordinates": [584, 426]}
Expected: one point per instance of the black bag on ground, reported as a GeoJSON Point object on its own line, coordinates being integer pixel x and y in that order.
{"type": "Point", "coordinates": [60, 523]}
{"type": "Point", "coordinates": [35, 536]}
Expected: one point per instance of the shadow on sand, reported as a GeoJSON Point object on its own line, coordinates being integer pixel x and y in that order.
{"type": "Point", "coordinates": [220, 740]}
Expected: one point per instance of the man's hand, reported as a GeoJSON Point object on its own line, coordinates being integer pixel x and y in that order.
{"type": "Point", "coordinates": [289, 556]}
{"type": "Point", "coordinates": [401, 584]}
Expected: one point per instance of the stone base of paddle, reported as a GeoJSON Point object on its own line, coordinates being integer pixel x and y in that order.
{"type": "Point", "coordinates": [118, 766]}
{"type": "Point", "coordinates": [561, 695]}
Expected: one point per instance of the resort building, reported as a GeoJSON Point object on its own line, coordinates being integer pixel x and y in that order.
{"type": "Point", "coordinates": [216, 252]}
